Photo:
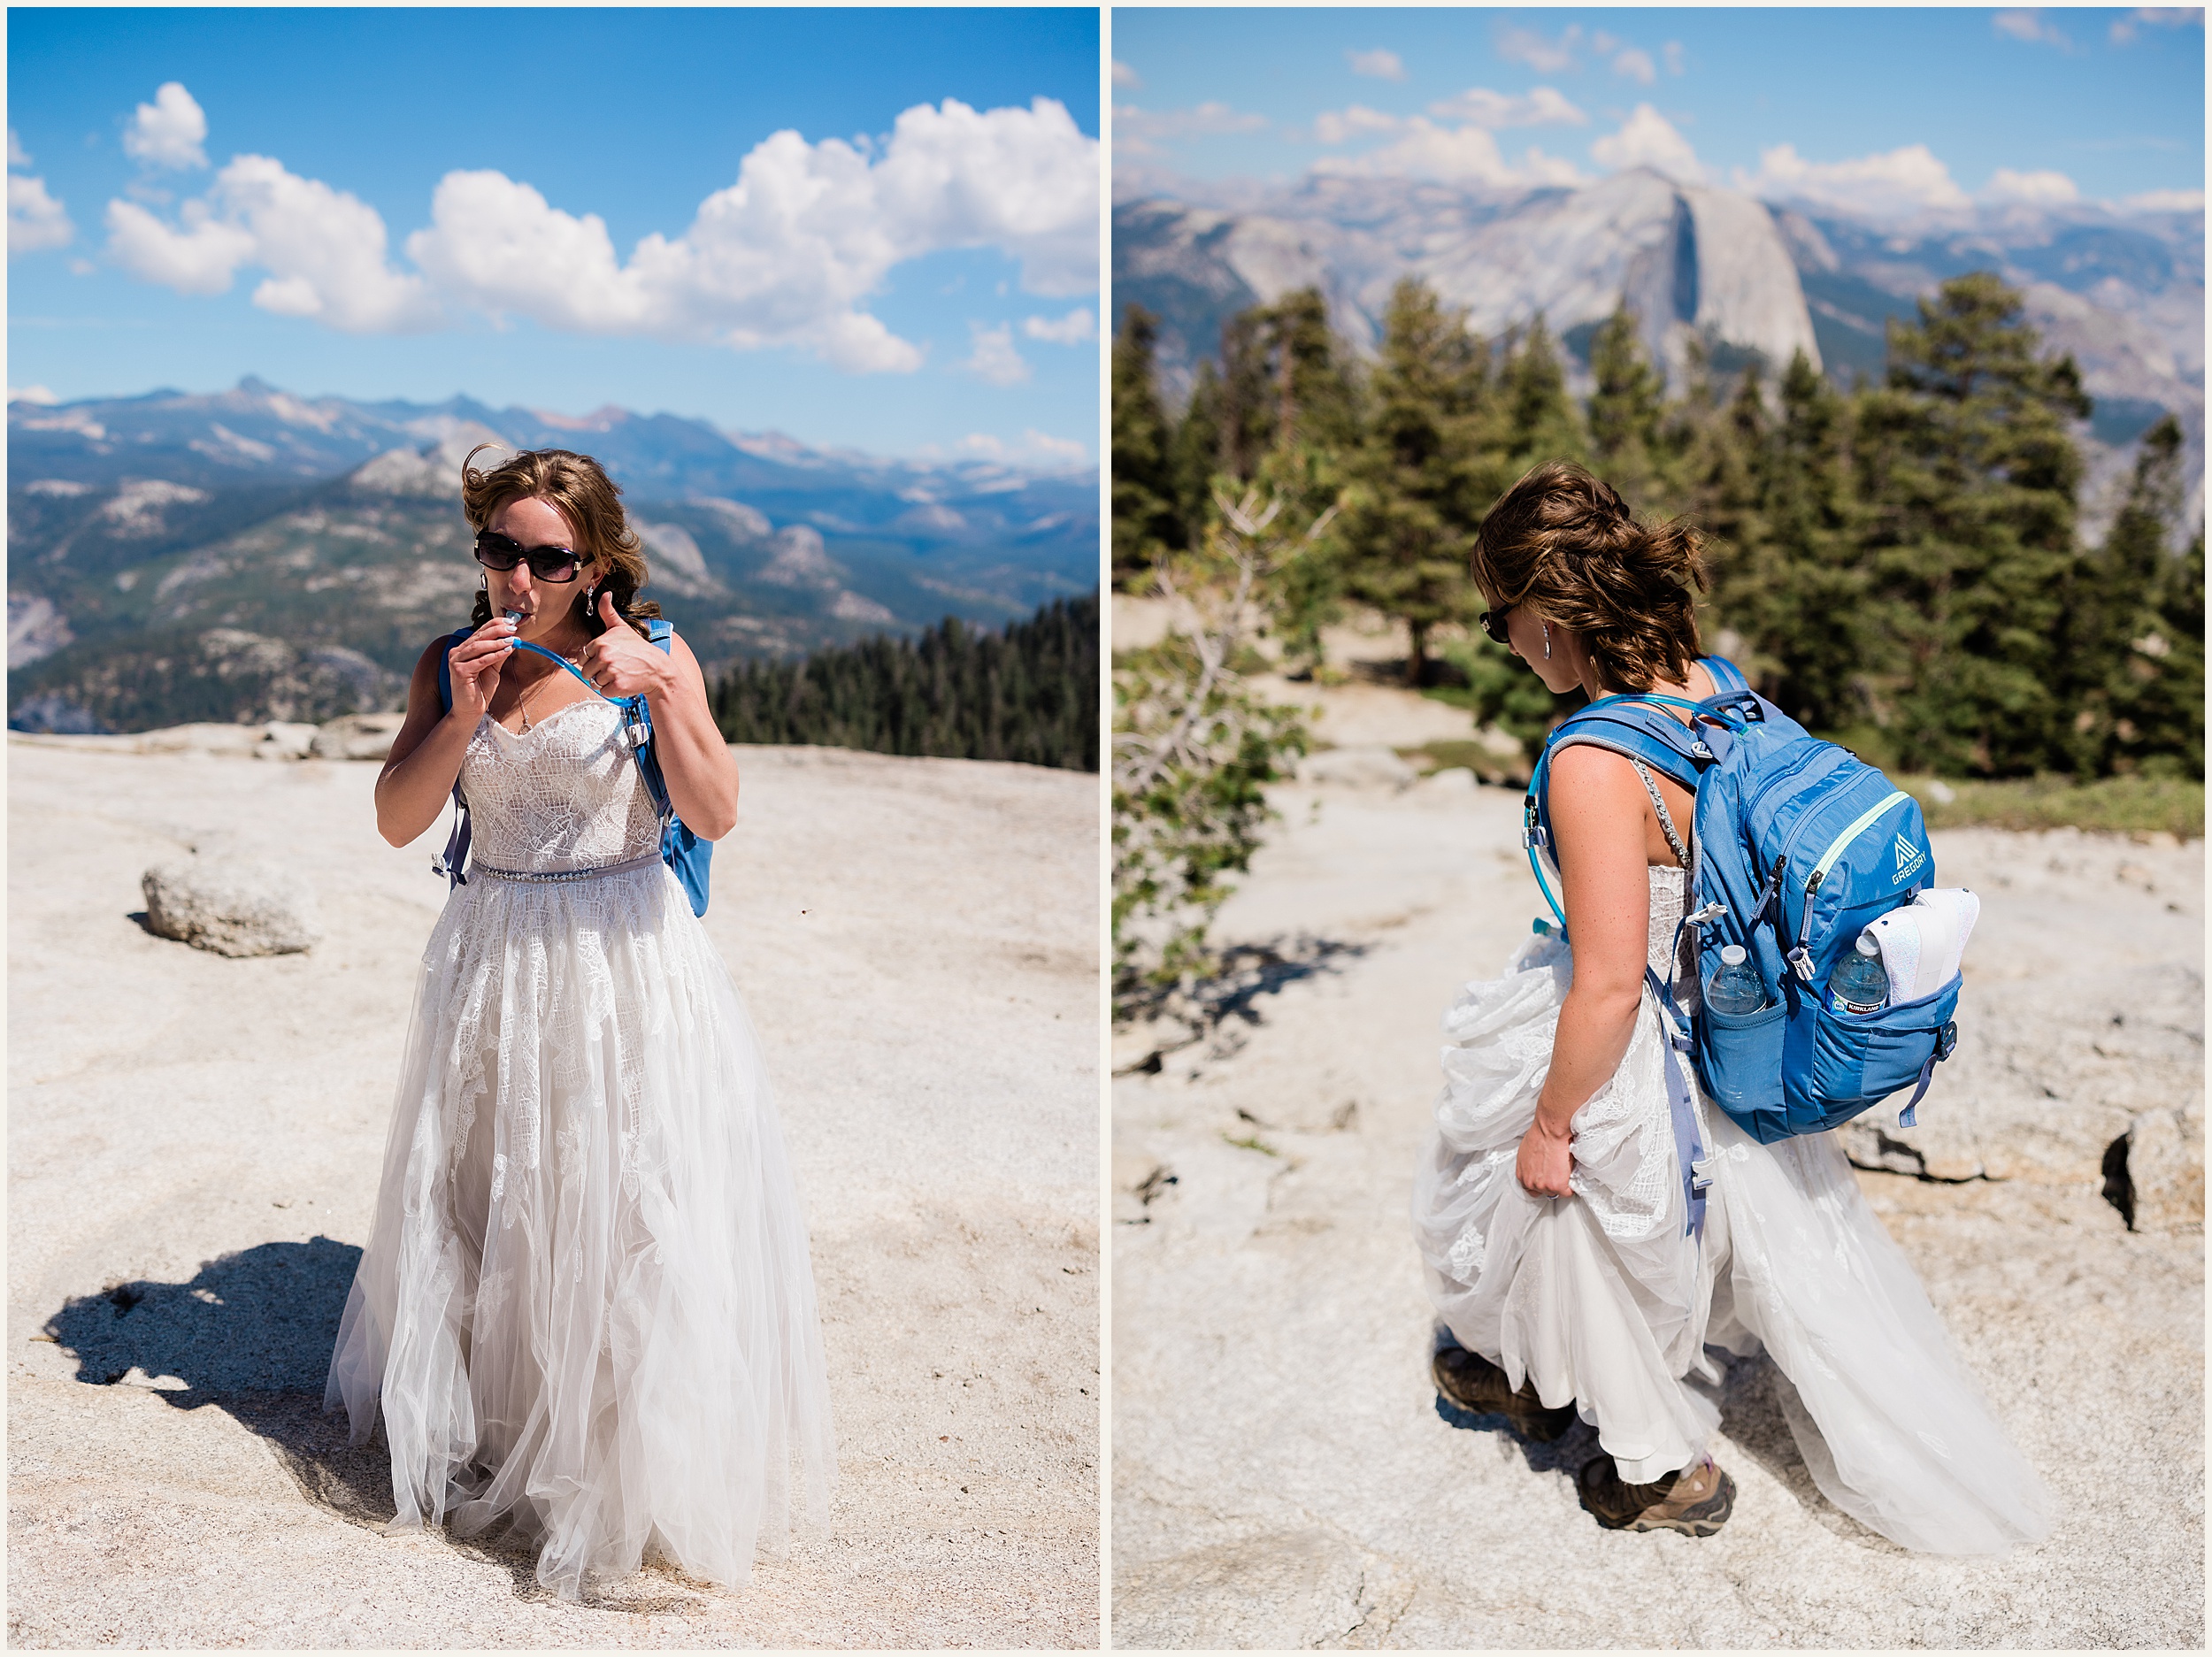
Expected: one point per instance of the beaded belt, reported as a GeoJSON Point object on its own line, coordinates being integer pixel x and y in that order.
{"type": "Point", "coordinates": [562, 875]}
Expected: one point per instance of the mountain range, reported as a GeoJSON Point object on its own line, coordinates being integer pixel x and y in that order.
{"type": "Point", "coordinates": [2124, 293]}
{"type": "Point", "coordinates": [254, 554]}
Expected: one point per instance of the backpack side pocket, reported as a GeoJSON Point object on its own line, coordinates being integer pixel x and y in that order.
{"type": "Point", "coordinates": [1740, 1062]}
{"type": "Point", "coordinates": [1854, 1062]}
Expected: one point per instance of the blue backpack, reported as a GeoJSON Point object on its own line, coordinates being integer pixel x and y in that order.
{"type": "Point", "coordinates": [1798, 846]}
{"type": "Point", "coordinates": [681, 850]}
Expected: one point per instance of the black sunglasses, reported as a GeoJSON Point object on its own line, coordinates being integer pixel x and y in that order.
{"type": "Point", "coordinates": [495, 551]}
{"type": "Point", "coordinates": [1492, 622]}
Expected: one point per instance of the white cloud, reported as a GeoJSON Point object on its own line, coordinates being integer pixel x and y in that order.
{"type": "Point", "coordinates": [786, 255]}
{"type": "Point", "coordinates": [995, 359]}
{"type": "Point", "coordinates": [1335, 126]}
{"type": "Point", "coordinates": [1545, 56]}
{"type": "Point", "coordinates": [2164, 17]}
{"type": "Point", "coordinates": [2166, 201]}
{"type": "Point", "coordinates": [1036, 448]}
{"type": "Point", "coordinates": [1465, 155]}
{"type": "Point", "coordinates": [1648, 138]}
{"type": "Point", "coordinates": [1635, 65]}
{"type": "Point", "coordinates": [1205, 120]}
{"type": "Point", "coordinates": [36, 222]}
{"type": "Point", "coordinates": [1539, 106]}
{"type": "Point", "coordinates": [323, 249]}
{"type": "Point", "coordinates": [168, 132]}
{"type": "Point", "coordinates": [1060, 448]}
{"type": "Point", "coordinates": [1902, 183]}
{"type": "Point", "coordinates": [2043, 188]}
{"type": "Point", "coordinates": [1126, 77]}
{"type": "Point", "coordinates": [31, 394]}
{"type": "Point", "coordinates": [1671, 54]}
{"type": "Point", "coordinates": [1381, 64]}
{"type": "Point", "coordinates": [18, 155]}
{"type": "Point", "coordinates": [2028, 24]}
{"type": "Point", "coordinates": [1072, 329]}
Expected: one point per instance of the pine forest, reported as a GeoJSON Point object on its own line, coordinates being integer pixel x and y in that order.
{"type": "Point", "coordinates": [1896, 565]}
{"type": "Point", "coordinates": [1028, 694]}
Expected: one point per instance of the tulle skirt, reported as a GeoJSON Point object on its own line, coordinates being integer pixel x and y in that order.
{"type": "Point", "coordinates": [586, 1308]}
{"type": "Point", "coordinates": [1605, 1301]}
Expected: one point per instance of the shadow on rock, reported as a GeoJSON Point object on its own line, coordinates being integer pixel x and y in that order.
{"type": "Point", "coordinates": [1753, 1418]}
{"type": "Point", "coordinates": [1564, 1456]}
{"type": "Point", "coordinates": [1231, 993]}
{"type": "Point", "coordinates": [251, 1333]}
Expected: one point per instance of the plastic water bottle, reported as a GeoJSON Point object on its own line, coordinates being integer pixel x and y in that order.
{"type": "Point", "coordinates": [1859, 986]}
{"type": "Point", "coordinates": [1735, 989]}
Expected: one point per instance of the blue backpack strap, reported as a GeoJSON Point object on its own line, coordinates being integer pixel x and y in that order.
{"type": "Point", "coordinates": [455, 855]}
{"type": "Point", "coordinates": [1628, 725]}
{"type": "Point", "coordinates": [1689, 1143]}
{"type": "Point", "coordinates": [1726, 675]}
{"type": "Point", "coordinates": [687, 855]}
{"type": "Point", "coordinates": [640, 716]}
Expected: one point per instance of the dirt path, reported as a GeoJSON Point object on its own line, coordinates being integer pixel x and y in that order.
{"type": "Point", "coordinates": [1285, 1476]}
{"type": "Point", "coordinates": [917, 942]}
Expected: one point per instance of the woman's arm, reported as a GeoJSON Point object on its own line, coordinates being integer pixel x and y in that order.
{"type": "Point", "coordinates": [427, 754]}
{"type": "Point", "coordinates": [695, 763]}
{"type": "Point", "coordinates": [1597, 814]}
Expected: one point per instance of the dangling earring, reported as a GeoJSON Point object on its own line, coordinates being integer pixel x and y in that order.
{"type": "Point", "coordinates": [1548, 642]}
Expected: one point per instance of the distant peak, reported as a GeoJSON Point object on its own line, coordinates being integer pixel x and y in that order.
{"type": "Point", "coordinates": [602, 418]}
{"type": "Point", "coordinates": [254, 384]}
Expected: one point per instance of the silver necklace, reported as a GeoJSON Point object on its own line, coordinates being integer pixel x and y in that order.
{"type": "Point", "coordinates": [522, 703]}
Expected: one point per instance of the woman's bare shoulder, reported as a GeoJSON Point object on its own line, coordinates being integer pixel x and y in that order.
{"type": "Point", "coordinates": [1585, 772]}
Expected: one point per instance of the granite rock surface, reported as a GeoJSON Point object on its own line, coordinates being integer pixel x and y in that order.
{"type": "Point", "coordinates": [195, 1142]}
{"type": "Point", "coordinates": [1285, 1474]}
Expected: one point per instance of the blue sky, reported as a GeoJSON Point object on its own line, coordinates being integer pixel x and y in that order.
{"type": "Point", "coordinates": [1888, 111]}
{"type": "Point", "coordinates": [399, 203]}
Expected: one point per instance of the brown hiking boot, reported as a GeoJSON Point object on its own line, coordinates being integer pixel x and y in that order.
{"type": "Point", "coordinates": [1695, 1501]}
{"type": "Point", "coordinates": [1479, 1387]}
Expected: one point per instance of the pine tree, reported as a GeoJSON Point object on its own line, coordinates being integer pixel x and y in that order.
{"type": "Point", "coordinates": [1145, 524]}
{"type": "Point", "coordinates": [1970, 474]}
{"type": "Point", "coordinates": [1194, 458]}
{"type": "Point", "coordinates": [2134, 633]}
{"type": "Point", "coordinates": [1540, 421]}
{"type": "Point", "coordinates": [1722, 491]}
{"type": "Point", "coordinates": [1416, 497]}
{"type": "Point", "coordinates": [1626, 410]}
{"type": "Point", "coordinates": [1809, 511]}
{"type": "Point", "coordinates": [1290, 413]}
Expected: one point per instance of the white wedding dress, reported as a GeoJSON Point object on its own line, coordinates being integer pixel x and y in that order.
{"type": "Point", "coordinates": [586, 1308]}
{"type": "Point", "coordinates": [1607, 1303]}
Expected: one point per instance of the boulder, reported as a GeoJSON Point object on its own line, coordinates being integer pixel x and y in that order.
{"type": "Point", "coordinates": [2165, 1169]}
{"type": "Point", "coordinates": [357, 736]}
{"type": "Point", "coordinates": [284, 741]}
{"type": "Point", "coordinates": [1375, 767]}
{"type": "Point", "coordinates": [231, 906]}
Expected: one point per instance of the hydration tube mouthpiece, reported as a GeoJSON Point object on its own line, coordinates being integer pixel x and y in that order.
{"type": "Point", "coordinates": [513, 615]}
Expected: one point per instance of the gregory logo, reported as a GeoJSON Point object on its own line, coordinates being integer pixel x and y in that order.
{"type": "Point", "coordinates": [1908, 858]}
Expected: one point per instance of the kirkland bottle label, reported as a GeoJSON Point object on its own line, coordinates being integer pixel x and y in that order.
{"type": "Point", "coordinates": [1859, 1009]}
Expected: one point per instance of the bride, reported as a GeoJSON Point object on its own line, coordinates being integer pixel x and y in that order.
{"type": "Point", "coordinates": [586, 1309]}
{"type": "Point", "coordinates": [1548, 1208]}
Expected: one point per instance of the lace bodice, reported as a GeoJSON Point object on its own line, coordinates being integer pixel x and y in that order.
{"type": "Point", "coordinates": [564, 794]}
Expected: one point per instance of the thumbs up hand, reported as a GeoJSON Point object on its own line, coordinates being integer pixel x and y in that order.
{"type": "Point", "coordinates": [618, 663]}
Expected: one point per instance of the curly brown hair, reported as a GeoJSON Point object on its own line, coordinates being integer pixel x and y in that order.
{"type": "Point", "coordinates": [1562, 543]}
{"type": "Point", "coordinates": [591, 502]}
